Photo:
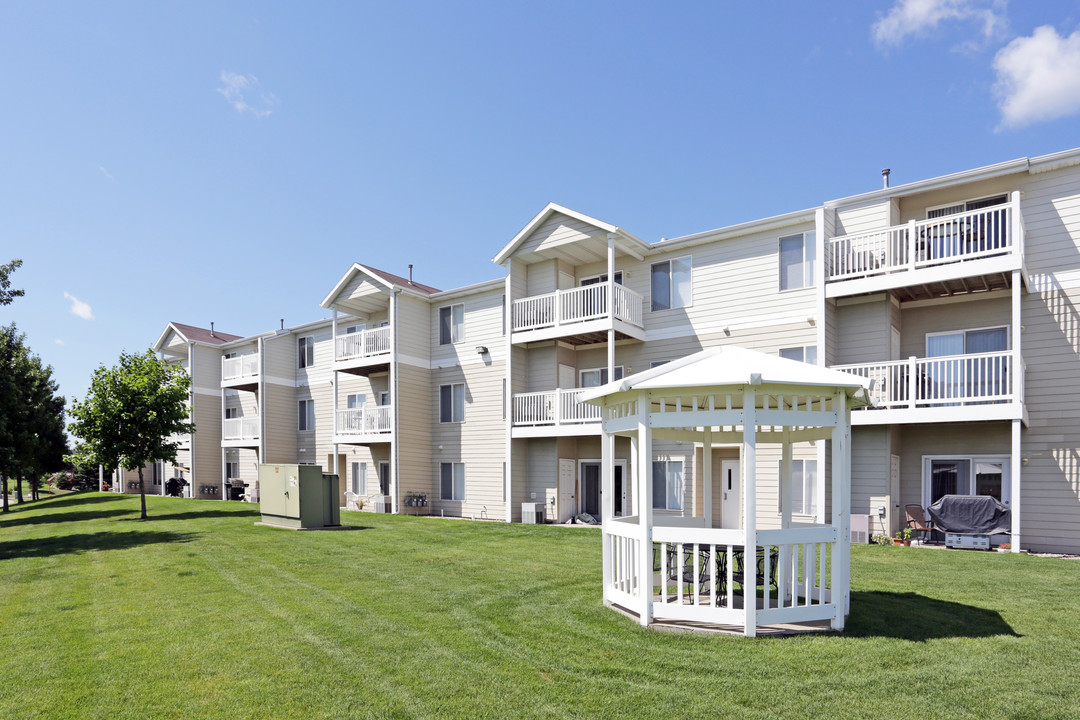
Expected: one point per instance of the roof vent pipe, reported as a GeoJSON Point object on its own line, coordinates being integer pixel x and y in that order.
{"type": "Point", "coordinates": [410, 274]}
{"type": "Point", "coordinates": [212, 329]}
{"type": "Point", "coordinates": [282, 323]}
{"type": "Point", "coordinates": [885, 177]}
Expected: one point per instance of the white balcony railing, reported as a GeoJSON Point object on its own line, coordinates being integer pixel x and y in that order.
{"type": "Point", "coordinates": [996, 377]}
{"type": "Point", "coordinates": [240, 429]}
{"type": "Point", "coordinates": [577, 305]}
{"type": "Point", "coordinates": [366, 420]}
{"type": "Point", "coordinates": [237, 368]}
{"type": "Point", "coordinates": [555, 407]}
{"type": "Point", "coordinates": [983, 233]}
{"type": "Point", "coordinates": [363, 344]}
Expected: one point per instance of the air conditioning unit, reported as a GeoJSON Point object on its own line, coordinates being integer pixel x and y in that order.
{"type": "Point", "coordinates": [382, 504]}
{"type": "Point", "coordinates": [532, 513]}
{"type": "Point", "coordinates": [860, 529]}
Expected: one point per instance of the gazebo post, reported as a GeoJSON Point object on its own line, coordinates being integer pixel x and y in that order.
{"type": "Point", "coordinates": [841, 553]}
{"type": "Point", "coordinates": [607, 504]}
{"type": "Point", "coordinates": [749, 453]}
{"type": "Point", "coordinates": [707, 474]}
{"type": "Point", "coordinates": [645, 513]}
{"type": "Point", "coordinates": [785, 512]}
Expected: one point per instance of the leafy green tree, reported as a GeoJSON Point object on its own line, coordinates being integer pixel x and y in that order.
{"type": "Point", "coordinates": [6, 293]}
{"type": "Point", "coordinates": [32, 439]}
{"type": "Point", "coordinates": [130, 415]}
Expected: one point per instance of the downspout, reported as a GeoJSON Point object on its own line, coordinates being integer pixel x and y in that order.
{"type": "Point", "coordinates": [191, 404]}
{"type": "Point", "coordinates": [508, 392]}
{"type": "Point", "coordinates": [395, 401]}
{"type": "Point", "coordinates": [260, 401]}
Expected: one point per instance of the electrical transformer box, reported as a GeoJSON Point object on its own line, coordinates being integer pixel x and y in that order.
{"type": "Point", "coordinates": [298, 496]}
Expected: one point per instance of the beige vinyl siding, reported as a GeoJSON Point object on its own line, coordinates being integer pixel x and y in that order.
{"type": "Point", "coordinates": [832, 338]}
{"type": "Point", "coordinates": [975, 313]}
{"type": "Point", "coordinates": [557, 230]}
{"type": "Point", "coordinates": [541, 367]}
{"type": "Point", "coordinates": [520, 470]}
{"type": "Point", "coordinates": [206, 414]}
{"type": "Point", "coordinates": [962, 439]}
{"type": "Point", "coordinates": [541, 471]}
{"type": "Point", "coordinates": [482, 327]}
{"type": "Point", "coordinates": [413, 331]}
{"type": "Point", "coordinates": [361, 286]}
{"type": "Point", "coordinates": [864, 217]}
{"type": "Point", "coordinates": [413, 417]}
{"type": "Point", "coordinates": [863, 331]}
{"type": "Point", "coordinates": [541, 278]}
{"type": "Point", "coordinates": [914, 207]}
{"type": "Point", "coordinates": [279, 401]}
{"type": "Point", "coordinates": [871, 450]}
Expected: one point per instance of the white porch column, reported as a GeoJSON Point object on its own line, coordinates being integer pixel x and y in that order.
{"type": "Point", "coordinates": [707, 475]}
{"type": "Point", "coordinates": [100, 477]}
{"type": "Point", "coordinates": [611, 305]}
{"type": "Point", "coordinates": [224, 474]}
{"type": "Point", "coordinates": [749, 494]}
{"type": "Point", "coordinates": [784, 592]}
{"type": "Point", "coordinates": [632, 507]}
{"type": "Point", "coordinates": [607, 504]}
{"type": "Point", "coordinates": [645, 512]}
{"type": "Point", "coordinates": [1015, 463]}
{"type": "Point", "coordinates": [841, 552]}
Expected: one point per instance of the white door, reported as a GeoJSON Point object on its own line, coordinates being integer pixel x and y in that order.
{"type": "Point", "coordinates": [566, 489]}
{"type": "Point", "coordinates": [730, 494]}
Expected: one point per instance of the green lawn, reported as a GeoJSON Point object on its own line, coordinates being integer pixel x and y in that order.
{"type": "Point", "coordinates": [197, 613]}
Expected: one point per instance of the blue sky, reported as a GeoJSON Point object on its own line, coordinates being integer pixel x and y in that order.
{"type": "Point", "coordinates": [226, 162]}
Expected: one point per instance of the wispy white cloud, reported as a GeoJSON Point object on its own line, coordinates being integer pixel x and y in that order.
{"type": "Point", "coordinates": [105, 172]}
{"type": "Point", "coordinates": [1038, 77]}
{"type": "Point", "coordinates": [241, 90]}
{"type": "Point", "coordinates": [918, 17]}
{"type": "Point", "coordinates": [58, 341]}
{"type": "Point", "coordinates": [79, 308]}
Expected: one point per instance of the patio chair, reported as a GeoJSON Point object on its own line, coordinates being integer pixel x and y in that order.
{"type": "Point", "coordinates": [774, 560]}
{"type": "Point", "coordinates": [688, 566]}
{"type": "Point", "coordinates": [916, 520]}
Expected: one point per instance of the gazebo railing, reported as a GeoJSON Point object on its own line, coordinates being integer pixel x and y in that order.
{"type": "Point", "coordinates": [698, 573]}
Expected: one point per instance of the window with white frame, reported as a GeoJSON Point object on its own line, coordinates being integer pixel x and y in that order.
{"type": "Point", "coordinates": [232, 470]}
{"type": "Point", "coordinates": [595, 377]}
{"type": "Point", "coordinates": [601, 278]}
{"type": "Point", "coordinates": [355, 401]}
{"type": "Point", "coordinates": [965, 206]}
{"type": "Point", "coordinates": [452, 481]}
{"type": "Point", "coordinates": [804, 353]}
{"type": "Point", "coordinates": [159, 469]}
{"type": "Point", "coordinates": [451, 324]}
{"type": "Point", "coordinates": [452, 403]}
{"type": "Point", "coordinates": [384, 477]}
{"type": "Point", "coordinates": [672, 285]}
{"type": "Point", "coordinates": [967, 342]}
{"type": "Point", "coordinates": [965, 475]}
{"type": "Point", "coordinates": [355, 329]}
{"type": "Point", "coordinates": [797, 256]}
{"type": "Point", "coordinates": [359, 478]}
{"type": "Point", "coordinates": [804, 482]}
{"type": "Point", "coordinates": [305, 351]}
{"type": "Point", "coordinates": [384, 398]}
{"type": "Point", "coordinates": [667, 484]}
{"type": "Point", "coordinates": [305, 415]}
{"type": "Point", "coordinates": [232, 413]}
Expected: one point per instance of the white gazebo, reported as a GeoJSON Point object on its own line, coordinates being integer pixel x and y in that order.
{"type": "Point", "coordinates": [694, 568]}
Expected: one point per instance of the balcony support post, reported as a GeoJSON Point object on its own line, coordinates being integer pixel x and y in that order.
{"type": "Point", "coordinates": [912, 244]}
{"type": "Point", "coordinates": [913, 381]}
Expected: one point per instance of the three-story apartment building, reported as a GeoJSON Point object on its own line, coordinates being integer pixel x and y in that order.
{"type": "Point", "coordinates": [955, 295]}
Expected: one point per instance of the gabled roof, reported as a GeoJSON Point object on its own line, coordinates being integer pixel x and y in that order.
{"type": "Point", "coordinates": [190, 333]}
{"type": "Point", "coordinates": [735, 366]}
{"type": "Point", "coordinates": [632, 243]}
{"type": "Point", "coordinates": [381, 277]}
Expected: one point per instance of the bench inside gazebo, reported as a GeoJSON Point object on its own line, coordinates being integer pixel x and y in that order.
{"type": "Point", "coordinates": [755, 573]}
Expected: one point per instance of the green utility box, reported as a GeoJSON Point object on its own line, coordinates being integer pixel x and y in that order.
{"type": "Point", "coordinates": [298, 496]}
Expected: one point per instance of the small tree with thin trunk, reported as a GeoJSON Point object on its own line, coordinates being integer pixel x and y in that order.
{"type": "Point", "coordinates": [131, 415]}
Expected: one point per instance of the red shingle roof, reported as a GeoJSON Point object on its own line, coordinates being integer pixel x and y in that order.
{"type": "Point", "coordinates": [198, 334]}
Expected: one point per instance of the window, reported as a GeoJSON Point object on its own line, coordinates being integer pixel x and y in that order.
{"type": "Point", "coordinates": [965, 476]}
{"type": "Point", "coordinates": [232, 470]}
{"type": "Point", "coordinates": [229, 355]}
{"type": "Point", "coordinates": [967, 342]}
{"type": "Point", "coordinates": [797, 261]}
{"type": "Point", "coordinates": [452, 403]}
{"type": "Point", "coordinates": [451, 324]}
{"type": "Point", "coordinates": [305, 350]}
{"type": "Point", "coordinates": [355, 401]}
{"type": "Point", "coordinates": [359, 478]}
{"type": "Point", "coordinates": [671, 284]}
{"type": "Point", "coordinates": [231, 413]}
{"type": "Point", "coordinates": [806, 354]}
{"type": "Point", "coordinates": [667, 484]}
{"type": "Point", "coordinates": [595, 377]}
{"type": "Point", "coordinates": [601, 278]}
{"type": "Point", "coordinates": [306, 415]}
{"type": "Point", "coordinates": [354, 329]}
{"type": "Point", "coordinates": [452, 481]}
{"type": "Point", "coordinates": [658, 363]}
{"type": "Point", "coordinates": [803, 487]}
{"type": "Point", "coordinates": [384, 398]}
{"type": "Point", "coordinates": [967, 206]}
{"type": "Point", "coordinates": [158, 471]}
{"type": "Point", "coordinates": [964, 379]}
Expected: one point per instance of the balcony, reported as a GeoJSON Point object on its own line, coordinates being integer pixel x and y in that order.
{"type": "Point", "coordinates": [955, 388]}
{"type": "Point", "coordinates": [974, 250]}
{"type": "Point", "coordinates": [579, 315]}
{"type": "Point", "coordinates": [556, 412]}
{"type": "Point", "coordinates": [240, 432]}
{"type": "Point", "coordinates": [363, 352]}
{"type": "Point", "coordinates": [363, 425]}
{"type": "Point", "coordinates": [240, 372]}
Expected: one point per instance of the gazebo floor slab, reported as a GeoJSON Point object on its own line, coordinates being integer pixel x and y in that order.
{"type": "Point", "coordinates": [685, 626]}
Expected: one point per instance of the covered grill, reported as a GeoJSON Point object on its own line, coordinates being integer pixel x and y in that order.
{"type": "Point", "coordinates": [970, 520]}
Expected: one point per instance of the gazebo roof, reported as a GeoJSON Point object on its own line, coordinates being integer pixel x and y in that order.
{"type": "Point", "coordinates": [733, 366]}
